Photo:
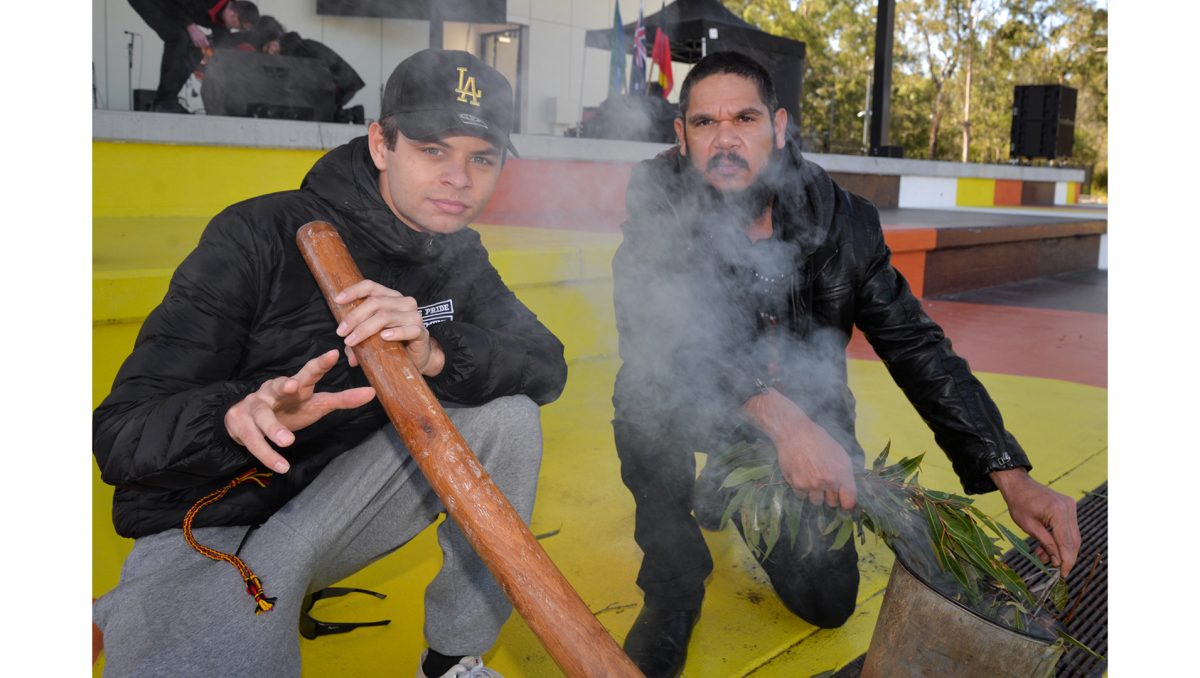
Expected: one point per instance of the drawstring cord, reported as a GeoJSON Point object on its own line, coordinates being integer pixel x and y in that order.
{"type": "Point", "coordinates": [254, 586]}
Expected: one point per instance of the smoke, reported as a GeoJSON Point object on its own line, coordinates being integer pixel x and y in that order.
{"type": "Point", "coordinates": [703, 311]}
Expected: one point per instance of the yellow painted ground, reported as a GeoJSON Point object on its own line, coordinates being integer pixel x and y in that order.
{"type": "Point", "coordinates": [150, 203]}
{"type": "Point", "coordinates": [744, 630]}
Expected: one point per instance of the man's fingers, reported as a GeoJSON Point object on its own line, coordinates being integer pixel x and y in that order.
{"type": "Point", "coordinates": [392, 324]}
{"type": "Point", "coordinates": [257, 446]}
{"type": "Point", "coordinates": [269, 425]}
{"type": "Point", "coordinates": [1066, 536]}
{"type": "Point", "coordinates": [816, 497]}
{"type": "Point", "coordinates": [346, 400]}
{"type": "Point", "coordinates": [848, 496]}
{"type": "Point", "coordinates": [363, 288]}
{"type": "Point", "coordinates": [247, 432]}
{"type": "Point", "coordinates": [404, 332]}
{"type": "Point", "coordinates": [375, 299]}
{"type": "Point", "coordinates": [354, 320]}
{"type": "Point", "coordinates": [1046, 541]}
{"type": "Point", "coordinates": [350, 357]}
{"type": "Point", "coordinates": [381, 308]}
{"type": "Point", "coordinates": [314, 369]}
{"type": "Point", "coordinates": [369, 326]}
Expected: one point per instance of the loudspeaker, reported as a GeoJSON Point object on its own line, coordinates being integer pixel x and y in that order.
{"type": "Point", "coordinates": [250, 84]}
{"type": "Point", "coordinates": [143, 99]}
{"type": "Point", "coordinates": [1043, 122]}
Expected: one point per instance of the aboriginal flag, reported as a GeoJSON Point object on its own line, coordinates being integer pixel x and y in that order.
{"type": "Point", "coordinates": [661, 56]}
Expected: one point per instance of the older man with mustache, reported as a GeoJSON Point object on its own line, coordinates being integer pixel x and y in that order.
{"type": "Point", "coordinates": [742, 272]}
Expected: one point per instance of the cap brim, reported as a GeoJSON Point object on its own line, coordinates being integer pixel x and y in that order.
{"type": "Point", "coordinates": [438, 123]}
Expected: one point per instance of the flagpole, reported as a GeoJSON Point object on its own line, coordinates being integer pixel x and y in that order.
{"type": "Point", "coordinates": [650, 67]}
{"type": "Point", "coordinates": [582, 79]}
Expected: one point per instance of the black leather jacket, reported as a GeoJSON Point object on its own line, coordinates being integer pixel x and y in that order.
{"type": "Point", "coordinates": [243, 308]}
{"type": "Point", "coordinates": [707, 319]}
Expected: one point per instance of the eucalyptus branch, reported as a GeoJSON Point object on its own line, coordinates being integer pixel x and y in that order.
{"type": "Point", "coordinates": [942, 537]}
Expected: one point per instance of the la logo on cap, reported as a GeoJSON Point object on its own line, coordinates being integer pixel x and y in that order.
{"type": "Point", "coordinates": [466, 87]}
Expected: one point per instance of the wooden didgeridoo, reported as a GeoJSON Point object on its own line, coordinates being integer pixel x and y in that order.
{"type": "Point", "coordinates": [554, 611]}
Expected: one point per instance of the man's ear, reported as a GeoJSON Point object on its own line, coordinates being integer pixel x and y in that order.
{"type": "Point", "coordinates": [780, 128]}
{"type": "Point", "coordinates": [378, 145]}
{"type": "Point", "coordinates": [679, 134]}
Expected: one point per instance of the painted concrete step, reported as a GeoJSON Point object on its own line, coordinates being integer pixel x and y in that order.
{"type": "Point", "coordinates": [564, 277]}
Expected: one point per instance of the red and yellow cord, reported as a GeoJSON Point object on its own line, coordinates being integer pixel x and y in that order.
{"type": "Point", "coordinates": [254, 586]}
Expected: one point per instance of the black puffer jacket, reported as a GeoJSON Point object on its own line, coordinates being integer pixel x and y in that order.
{"type": "Point", "coordinates": [243, 308]}
{"type": "Point", "coordinates": [692, 293]}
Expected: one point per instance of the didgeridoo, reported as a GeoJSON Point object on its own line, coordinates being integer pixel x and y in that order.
{"type": "Point", "coordinates": [554, 611]}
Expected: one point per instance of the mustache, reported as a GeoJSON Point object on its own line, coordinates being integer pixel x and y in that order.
{"type": "Point", "coordinates": [727, 157]}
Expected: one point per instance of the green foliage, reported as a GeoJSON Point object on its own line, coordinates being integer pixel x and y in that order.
{"type": "Point", "coordinates": [942, 537]}
{"type": "Point", "coordinates": [1002, 43]}
{"type": "Point", "coordinates": [839, 38]}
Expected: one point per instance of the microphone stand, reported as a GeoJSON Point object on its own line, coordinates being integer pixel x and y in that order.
{"type": "Point", "coordinates": [131, 35]}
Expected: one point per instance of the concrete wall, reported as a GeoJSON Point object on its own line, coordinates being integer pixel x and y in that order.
{"type": "Point", "coordinates": [561, 76]}
{"type": "Point", "coordinates": [372, 46]}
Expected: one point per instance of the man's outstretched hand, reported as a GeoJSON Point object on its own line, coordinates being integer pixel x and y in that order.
{"type": "Point", "coordinates": [1048, 517]}
{"type": "Point", "coordinates": [286, 404]}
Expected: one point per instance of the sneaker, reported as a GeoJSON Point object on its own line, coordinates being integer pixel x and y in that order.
{"type": "Point", "coordinates": [467, 667]}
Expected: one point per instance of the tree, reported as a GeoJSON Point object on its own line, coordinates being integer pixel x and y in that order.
{"type": "Point", "coordinates": [839, 38]}
{"type": "Point", "coordinates": [1064, 42]}
{"type": "Point", "coordinates": [940, 33]}
{"type": "Point", "coordinates": [968, 51]}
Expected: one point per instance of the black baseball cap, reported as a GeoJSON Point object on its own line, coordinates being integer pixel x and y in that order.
{"type": "Point", "coordinates": [437, 91]}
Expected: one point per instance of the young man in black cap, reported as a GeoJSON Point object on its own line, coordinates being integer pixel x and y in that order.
{"type": "Point", "coordinates": [240, 368]}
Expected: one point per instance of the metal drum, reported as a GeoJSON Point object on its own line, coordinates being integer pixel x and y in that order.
{"type": "Point", "coordinates": [921, 633]}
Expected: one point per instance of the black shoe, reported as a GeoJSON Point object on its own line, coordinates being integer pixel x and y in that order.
{"type": "Point", "coordinates": [658, 641]}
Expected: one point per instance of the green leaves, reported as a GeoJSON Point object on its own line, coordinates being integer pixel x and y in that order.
{"type": "Point", "coordinates": [1070, 640]}
{"type": "Point", "coordinates": [845, 531]}
{"type": "Point", "coordinates": [735, 504]}
{"type": "Point", "coordinates": [940, 535]}
{"type": "Point", "coordinates": [745, 475]}
{"type": "Point", "coordinates": [882, 458]}
{"type": "Point", "coordinates": [1022, 548]}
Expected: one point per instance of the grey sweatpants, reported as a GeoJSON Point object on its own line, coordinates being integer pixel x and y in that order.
{"type": "Point", "coordinates": [178, 613]}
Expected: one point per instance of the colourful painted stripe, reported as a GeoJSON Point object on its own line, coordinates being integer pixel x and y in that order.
{"type": "Point", "coordinates": [1008, 193]}
{"type": "Point", "coordinates": [152, 180]}
{"type": "Point", "coordinates": [973, 192]}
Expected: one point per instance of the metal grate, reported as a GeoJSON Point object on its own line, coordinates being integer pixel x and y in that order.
{"type": "Point", "coordinates": [1087, 612]}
